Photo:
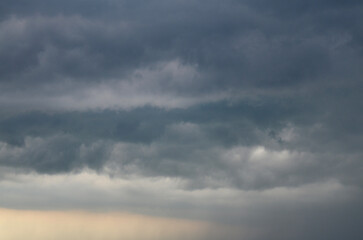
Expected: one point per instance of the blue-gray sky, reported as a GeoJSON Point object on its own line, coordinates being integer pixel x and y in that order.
{"type": "Point", "coordinates": [245, 113]}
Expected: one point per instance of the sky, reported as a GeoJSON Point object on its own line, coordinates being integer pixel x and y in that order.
{"type": "Point", "coordinates": [181, 119]}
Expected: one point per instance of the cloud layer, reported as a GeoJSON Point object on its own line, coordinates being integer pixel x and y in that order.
{"type": "Point", "coordinates": [241, 112]}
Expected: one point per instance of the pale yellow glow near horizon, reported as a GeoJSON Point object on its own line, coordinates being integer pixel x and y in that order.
{"type": "Point", "coordinates": [78, 225]}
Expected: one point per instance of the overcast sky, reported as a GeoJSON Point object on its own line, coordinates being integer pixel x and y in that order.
{"type": "Point", "coordinates": [231, 119]}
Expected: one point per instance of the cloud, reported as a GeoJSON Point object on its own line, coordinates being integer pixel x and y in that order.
{"type": "Point", "coordinates": [260, 157]}
{"type": "Point", "coordinates": [54, 154]}
{"type": "Point", "coordinates": [77, 60]}
{"type": "Point", "coordinates": [244, 112]}
{"type": "Point", "coordinates": [257, 214]}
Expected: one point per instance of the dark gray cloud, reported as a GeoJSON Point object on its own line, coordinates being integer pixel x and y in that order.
{"type": "Point", "coordinates": [236, 45]}
{"type": "Point", "coordinates": [253, 96]}
{"type": "Point", "coordinates": [248, 146]}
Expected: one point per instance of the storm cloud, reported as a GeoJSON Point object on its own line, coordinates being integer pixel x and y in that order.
{"type": "Point", "coordinates": [216, 104]}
